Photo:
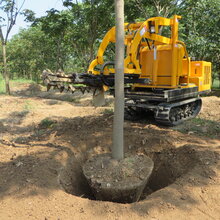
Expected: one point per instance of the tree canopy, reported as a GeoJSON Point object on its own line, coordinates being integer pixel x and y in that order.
{"type": "Point", "coordinates": [68, 39]}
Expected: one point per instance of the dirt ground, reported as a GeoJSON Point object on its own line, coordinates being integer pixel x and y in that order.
{"type": "Point", "coordinates": [46, 137]}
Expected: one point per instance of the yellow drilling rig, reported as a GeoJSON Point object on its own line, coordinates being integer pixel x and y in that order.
{"type": "Point", "coordinates": [159, 75]}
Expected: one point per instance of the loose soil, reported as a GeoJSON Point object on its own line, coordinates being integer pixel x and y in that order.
{"type": "Point", "coordinates": [45, 138]}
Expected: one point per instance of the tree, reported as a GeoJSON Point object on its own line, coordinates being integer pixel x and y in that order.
{"type": "Point", "coordinates": [200, 30]}
{"type": "Point", "coordinates": [118, 126]}
{"type": "Point", "coordinates": [89, 27]}
{"type": "Point", "coordinates": [29, 53]}
{"type": "Point", "coordinates": [56, 25]}
{"type": "Point", "coordinates": [69, 39]}
{"type": "Point", "coordinates": [140, 10]}
{"type": "Point", "coordinates": [9, 7]}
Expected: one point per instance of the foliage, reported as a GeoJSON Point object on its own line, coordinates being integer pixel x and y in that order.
{"type": "Point", "coordinates": [149, 8]}
{"type": "Point", "coordinates": [216, 83]}
{"type": "Point", "coordinates": [69, 39]}
{"type": "Point", "coordinates": [55, 27]}
{"type": "Point", "coordinates": [201, 30]}
{"type": "Point", "coordinates": [9, 11]}
{"type": "Point", "coordinates": [29, 53]}
{"type": "Point", "coordinates": [88, 28]}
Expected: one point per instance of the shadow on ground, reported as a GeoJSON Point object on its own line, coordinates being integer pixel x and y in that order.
{"type": "Point", "coordinates": [50, 158]}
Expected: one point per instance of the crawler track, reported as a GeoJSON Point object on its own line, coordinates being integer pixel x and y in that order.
{"type": "Point", "coordinates": [172, 114]}
{"type": "Point", "coordinates": [169, 114]}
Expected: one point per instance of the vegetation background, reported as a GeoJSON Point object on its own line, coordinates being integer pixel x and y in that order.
{"type": "Point", "coordinates": [69, 39]}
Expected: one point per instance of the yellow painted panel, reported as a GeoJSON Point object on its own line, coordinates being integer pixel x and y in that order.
{"type": "Point", "coordinates": [196, 68]}
{"type": "Point", "coordinates": [165, 63]}
{"type": "Point", "coordinates": [163, 80]}
{"type": "Point", "coordinates": [147, 63]}
{"type": "Point", "coordinates": [185, 67]}
{"type": "Point", "coordinates": [164, 67]}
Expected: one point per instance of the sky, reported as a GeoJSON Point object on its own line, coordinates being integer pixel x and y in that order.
{"type": "Point", "coordinates": [39, 7]}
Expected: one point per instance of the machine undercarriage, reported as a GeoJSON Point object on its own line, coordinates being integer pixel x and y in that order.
{"type": "Point", "coordinates": [170, 107]}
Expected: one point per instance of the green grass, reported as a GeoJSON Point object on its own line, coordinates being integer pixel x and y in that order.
{"type": "Point", "coordinates": [71, 99]}
{"type": "Point", "coordinates": [215, 84]}
{"type": "Point", "coordinates": [2, 86]}
{"type": "Point", "coordinates": [201, 127]}
{"type": "Point", "coordinates": [47, 123]}
{"type": "Point", "coordinates": [12, 83]}
{"type": "Point", "coordinates": [108, 111]}
{"type": "Point", "coordinates": [79, 85]}
{"type": "Point", "coordinates": [28, 106]}
{"type": "Point", "coordinates": [21, 81]}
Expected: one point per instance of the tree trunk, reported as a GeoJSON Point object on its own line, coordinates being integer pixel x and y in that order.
{"type": "Point", "coordinates": [118, 125]}
{"type": "Point", "coordinates": [59, 55]}
{"type": "Point", "coordinates": [5, 70]}
{"type": "Point", "coordinates": [91, 52]}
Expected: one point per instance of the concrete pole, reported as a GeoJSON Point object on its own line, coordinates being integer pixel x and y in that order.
{"type": "Point", "coordinates": [118, 125]}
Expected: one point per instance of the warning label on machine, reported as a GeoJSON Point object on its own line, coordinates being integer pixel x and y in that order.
{"type": "Point", "coordinates": [143, 30]}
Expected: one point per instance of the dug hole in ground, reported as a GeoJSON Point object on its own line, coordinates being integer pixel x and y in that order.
{"type": "Point", "coordinates": [45, 138]}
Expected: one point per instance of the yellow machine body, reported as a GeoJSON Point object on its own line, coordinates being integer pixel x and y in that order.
{"type": "Point", "coordinates": [159, 75]}
{"type": "Point", "coordinates": [164, 60]}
